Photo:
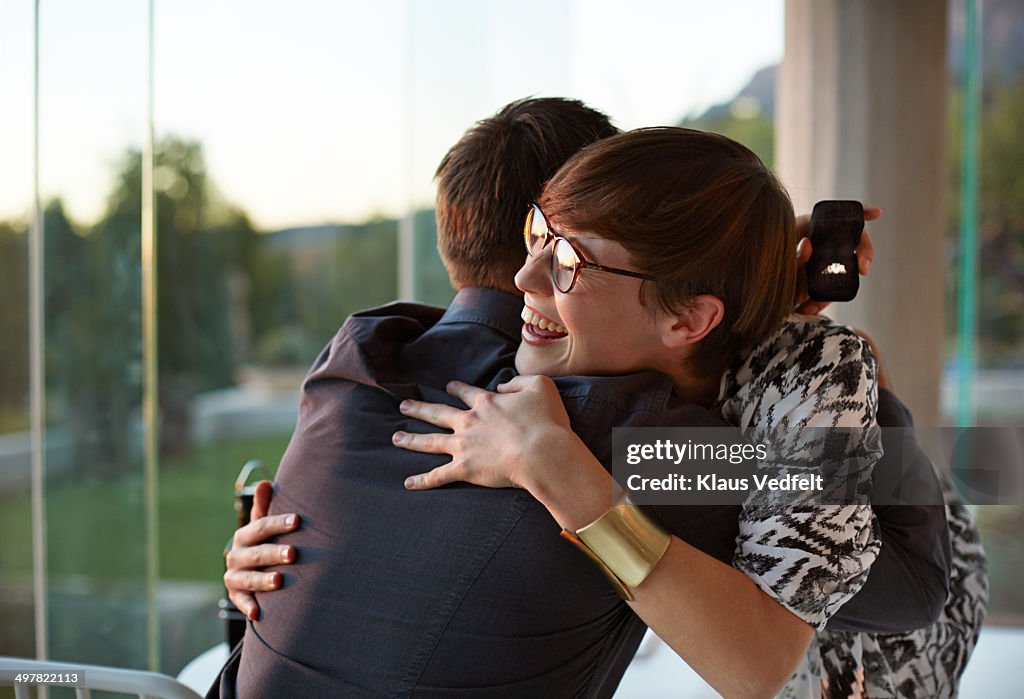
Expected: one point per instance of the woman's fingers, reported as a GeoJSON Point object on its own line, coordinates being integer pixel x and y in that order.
{"type": "Point", "coordinates": [262, 495]}
{"type": "Point", "coordinates": [448, 473]}
{"type": "Point", "coordinates": [246, 603]}
{"type": "Point", "coordinates": [865, 253]}
{"type": "Point", "coordinates": [246, 557]}
{"type": "Point", "coordinates": [515, 385]}
{"type": "Point", "coordinates": [528, 382]}
{"type": "Point", "coordinates": [258, 531]}
{"type": "Point", "coordinates": [242, 583]}
{"type": "Point", "coordinates": [464, 392]}
{"type": "Point", "coordinates": [251, 581]}
{"type": "Point", "coordinates": [437, 414]}
{"type": "Point", "coordinates": [803, 251]}
{"type": "Point", "coordinates": [803, 225]}
{"type": "Point", "coordinates": [425, 443]}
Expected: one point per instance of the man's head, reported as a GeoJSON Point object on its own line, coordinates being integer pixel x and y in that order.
{"type": "Point", "coordinates": [488, 179]}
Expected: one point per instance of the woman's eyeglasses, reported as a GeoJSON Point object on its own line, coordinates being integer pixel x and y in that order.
{"type": "Point", "coordinates": [566, 260]}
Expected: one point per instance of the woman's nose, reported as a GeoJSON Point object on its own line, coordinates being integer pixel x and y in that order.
{"type": "Point", "coordinates": [534, 276]}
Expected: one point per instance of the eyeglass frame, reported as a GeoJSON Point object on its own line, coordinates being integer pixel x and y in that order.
{"type": "Point", "coordinates": [582, 263]}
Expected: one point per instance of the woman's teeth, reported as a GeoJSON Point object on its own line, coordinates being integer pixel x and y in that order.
{"type": "Point", "coordinates": [532, 318]}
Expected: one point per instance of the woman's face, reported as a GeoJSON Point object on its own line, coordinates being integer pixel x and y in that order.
{"type": "Point", "coordinates": [598, 328]}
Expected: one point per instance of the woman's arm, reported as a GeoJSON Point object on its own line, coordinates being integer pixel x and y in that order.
{"type": "Point", "coordinates": [740, 640]}
{"type": "Point", "coordinates": [909, 583]}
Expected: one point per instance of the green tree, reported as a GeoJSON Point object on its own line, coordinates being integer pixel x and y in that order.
{"type": "Point", "coordinates": [13, 327]}
{"type": "Point", "coordinates": [755, 131]}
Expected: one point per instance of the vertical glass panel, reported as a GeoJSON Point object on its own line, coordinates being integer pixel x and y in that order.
{"type": "Point", "coordinates": [17, 636]}
{"type": "Point", "coordinates": [279, 177]}
{"type": "Point", "coordinates": [999, 273]}
{"type": "Point", "coordinates": [92, 87]}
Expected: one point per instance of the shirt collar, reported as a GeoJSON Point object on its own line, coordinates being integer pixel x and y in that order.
{"type": "Point", "coordinates": [500, 310]}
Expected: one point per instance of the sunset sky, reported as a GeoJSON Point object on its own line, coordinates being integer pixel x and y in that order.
{"type": "Point", "coordinates": [336, 111]}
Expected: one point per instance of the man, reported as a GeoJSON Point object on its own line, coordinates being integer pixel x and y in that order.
{"type": "Point", "coordinates": [465, 590]}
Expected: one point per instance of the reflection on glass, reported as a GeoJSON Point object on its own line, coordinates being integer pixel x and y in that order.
{"type": "Point", "coordinates": [999, 335]}
{"type": "Point", "coordinates": [93, 380]}
{"type": "Point", "coordinates": [282, 167]}
{"type": "Point", "coordinates": [278, 181]}
{"type": "Point", "coordinates": [17, 608]}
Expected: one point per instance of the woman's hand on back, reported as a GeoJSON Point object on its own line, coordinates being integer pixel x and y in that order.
{"type": "Point", "coordinates": [520, 438]}
{"type": "Point", "coordinates": [503, 440]}
{"type": "Point", "coordinates": [248, 554]}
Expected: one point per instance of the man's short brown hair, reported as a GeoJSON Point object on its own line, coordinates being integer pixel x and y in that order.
{"type": "Point", "coordinates": [698, 211]}
{"type": "Point", "coordinates": [489, 178]}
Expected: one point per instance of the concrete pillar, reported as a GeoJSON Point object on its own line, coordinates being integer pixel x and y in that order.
{"type": "Point", "coordinates": [861, 115]}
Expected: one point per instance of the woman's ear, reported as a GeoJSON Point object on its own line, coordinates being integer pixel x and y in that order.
{"type": "Point", "coordinates": [691, 322]}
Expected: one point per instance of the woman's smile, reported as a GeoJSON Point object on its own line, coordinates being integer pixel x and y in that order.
{"type": "Point", "coordinates": [540, 330]}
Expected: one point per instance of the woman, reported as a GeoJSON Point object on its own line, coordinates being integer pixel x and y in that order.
{"type": "Point", "coordinates": [669, 249]}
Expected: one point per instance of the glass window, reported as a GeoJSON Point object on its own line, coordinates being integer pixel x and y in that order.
{"type": "Point", "coordinates": [998, 278]}
{"type": "Point", "coordinates": [291, 147]}
{"type": "Point", "coordinates": [17, 634]}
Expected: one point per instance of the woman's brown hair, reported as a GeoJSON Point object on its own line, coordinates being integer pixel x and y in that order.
{"type": "Point", "coordinates": [699, 212]}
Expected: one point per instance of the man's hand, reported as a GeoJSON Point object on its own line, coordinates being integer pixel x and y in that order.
{"type": "Point", "coordinates": [248, 554]}
{"type": "Point", "coordinates": [803, 303]}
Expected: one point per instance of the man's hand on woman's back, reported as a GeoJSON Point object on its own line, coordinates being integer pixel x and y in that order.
{"type": "Point", "coordinates": [248, 554]}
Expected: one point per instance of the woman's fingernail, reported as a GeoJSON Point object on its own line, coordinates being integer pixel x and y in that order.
{"type": "Point", "coordinates": [271, 580]}
{"type": "Point", "coordinates": [867, 266]}
{"type": "Point", "coordinates": [398, 437]}
{"type": "Point", "coordinates": [285, 553]}
{"type": "Point", "coordinates": [289, 521]}
{"type": "Point", "coordinates": [404, 406]}
{"type": "Point", "coordinates": [410, 482]}
{"type": "Point", "coordinates": [253, 615]}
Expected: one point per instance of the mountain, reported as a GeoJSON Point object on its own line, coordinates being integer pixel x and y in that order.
{"type": "Point", "coordinates": [757, 98]}
{"type": "Point", "coordinates": [1002, 51]}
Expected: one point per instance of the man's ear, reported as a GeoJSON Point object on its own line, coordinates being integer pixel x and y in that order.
{"type": "Point", "coordinates": [691, 322]}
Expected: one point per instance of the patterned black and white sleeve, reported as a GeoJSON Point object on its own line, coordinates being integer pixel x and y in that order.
{"type": "Point", "coordinates": [810, 392]}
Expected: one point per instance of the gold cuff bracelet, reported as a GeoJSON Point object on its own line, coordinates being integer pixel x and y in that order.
{"type": "Point", "coordinates": [625, 544]}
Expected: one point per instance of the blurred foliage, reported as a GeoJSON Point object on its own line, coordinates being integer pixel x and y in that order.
{"type": "Point", "coordinates": [431, 283]}
{"type": "Point", "coordinates": [93, 332]}
{"type": "Point", "coordinates": [754, 129]}
{"type": "Point", "coordinates": [13, 327]}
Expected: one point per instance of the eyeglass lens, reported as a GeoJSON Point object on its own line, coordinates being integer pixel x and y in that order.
{"type": "Point", "coordinates": [536, 231]}
{"type": "Point", "coordinates": [564, 263]}
{"type": "Point", "coordinates": [564, 259]}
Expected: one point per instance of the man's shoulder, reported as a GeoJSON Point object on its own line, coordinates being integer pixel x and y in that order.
{"type": "Point", "coordinates": [644, 392]}
{"type": "Point", "coordinates": [418, 344]}
{"type": "Point", "coordinates": [397, 314]}
{"type": "Point", "coordinates": [393, 323]}
{"type": "Point", "coordinates": [646, 398]}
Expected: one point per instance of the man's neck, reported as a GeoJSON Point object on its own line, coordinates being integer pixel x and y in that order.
{"type": "Point", "coordinates": [509, 288]}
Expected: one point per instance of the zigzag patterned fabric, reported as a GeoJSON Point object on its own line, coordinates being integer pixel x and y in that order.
{"type": "Point", "coordinates": [812, 558]}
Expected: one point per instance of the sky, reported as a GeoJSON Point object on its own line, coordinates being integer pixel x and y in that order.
{"type": "Point", "coordinates": [311, 112]}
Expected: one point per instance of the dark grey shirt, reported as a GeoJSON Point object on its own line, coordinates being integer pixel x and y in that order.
{"type": "Point", "coordinates": [459, 591]}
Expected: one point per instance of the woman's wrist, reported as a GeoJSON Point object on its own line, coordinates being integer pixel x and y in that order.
{"type": "Point", "coordinates": [573, 485]}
